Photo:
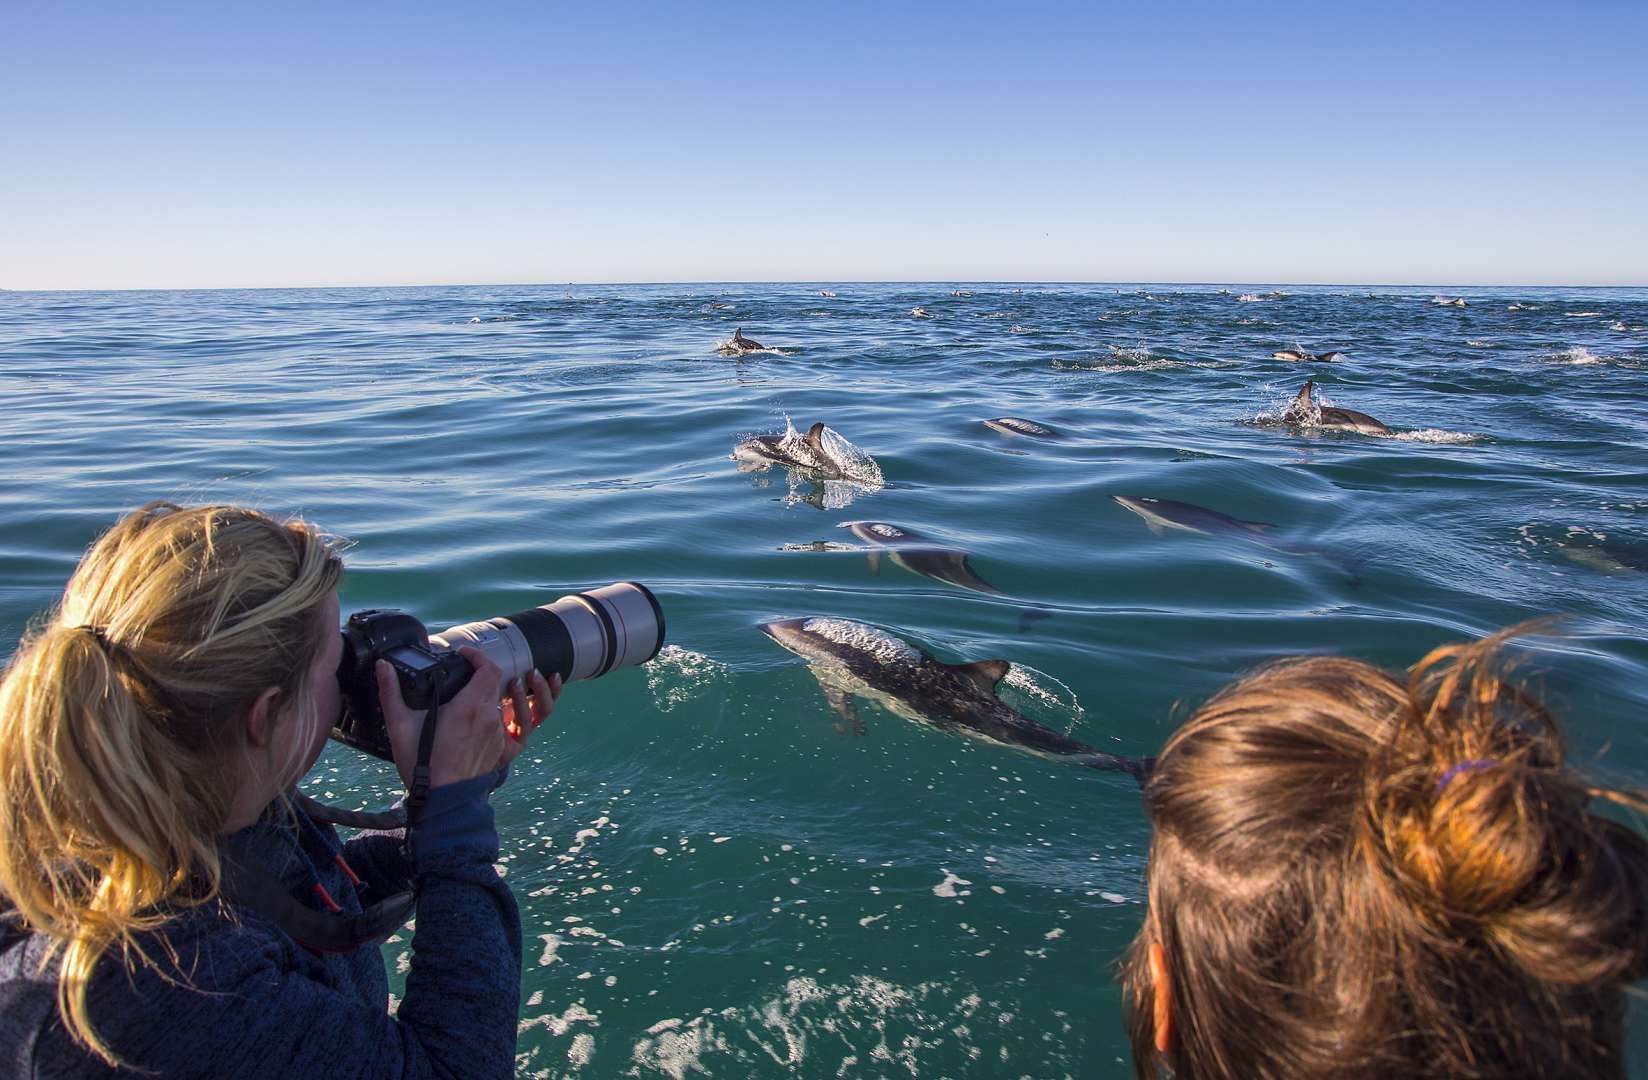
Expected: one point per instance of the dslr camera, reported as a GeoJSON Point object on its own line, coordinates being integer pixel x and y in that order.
{"type": "Point", "coordinates": [581, 636]}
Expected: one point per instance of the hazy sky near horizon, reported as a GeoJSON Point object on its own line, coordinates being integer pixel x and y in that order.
{"type": "Point", "coordinates": [223, 145]}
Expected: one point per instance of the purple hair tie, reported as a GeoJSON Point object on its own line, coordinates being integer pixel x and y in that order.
{"type": "Point", "coordinates": [1463, 766]}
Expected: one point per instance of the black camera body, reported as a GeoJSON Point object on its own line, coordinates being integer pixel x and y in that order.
{"type": "Point", "coordinates": [581, 636]}
{"type": "Point", "coordinates": [428, 676]}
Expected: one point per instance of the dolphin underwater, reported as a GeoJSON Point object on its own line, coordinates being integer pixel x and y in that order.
{"type": "Point", "coordinates": [851, 659]}
{"type": "Point", "coordinates": [1017, 425]}
{"type": "Point", "coordinates": [1164, 514]}
{"type": "Point", "coordinates": [1610, 557]}
{"type": "Point", "coordinates": [1306, 413]}
{"type": "Point", "coordinates": [739, 345]}
{"type": "Point", "coordinates": [1295, 354]}
{"type": "Point", "coordinates": [919, 555]}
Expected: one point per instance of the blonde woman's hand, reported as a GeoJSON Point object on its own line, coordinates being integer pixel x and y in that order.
{"type": "Point", "coordinates": [469, 731]}
{"type": "Point", "coordinates": [522, 715]}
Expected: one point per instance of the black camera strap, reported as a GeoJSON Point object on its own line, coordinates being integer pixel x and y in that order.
{"type": "Point", "coordinates": [319, 931]}
{"type": "Point", "coordinates": [246, 884]}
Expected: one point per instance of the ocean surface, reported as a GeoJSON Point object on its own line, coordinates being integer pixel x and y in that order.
{"type": "Point", "coordinates": [715, 881]}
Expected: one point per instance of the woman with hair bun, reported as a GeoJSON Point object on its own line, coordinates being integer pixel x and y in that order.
{"type": "Point", "coordinates": [152, 730]}
{"type": "Point", "coordinates": [1353, 875]}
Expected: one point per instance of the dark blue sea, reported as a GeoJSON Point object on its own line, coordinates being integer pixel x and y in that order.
{"type": "Point", "coordinates": [714, 880]}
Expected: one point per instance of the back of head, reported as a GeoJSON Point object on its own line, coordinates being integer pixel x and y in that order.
{"type": "Point", "coordinates": [1355, 876]}
{"type": "Point", "coordinates": [118, 719]}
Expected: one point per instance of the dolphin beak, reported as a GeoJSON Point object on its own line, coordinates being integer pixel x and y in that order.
{"type": "Point", "coordinates": [781, 629]}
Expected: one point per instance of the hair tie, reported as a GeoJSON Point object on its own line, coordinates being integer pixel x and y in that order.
{"type": "Point", "coordinates": [98, 636]}
{"type": "Point", "coordinates": [1463, 766]}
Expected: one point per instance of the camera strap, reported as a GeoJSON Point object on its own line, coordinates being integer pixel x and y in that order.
{"type": "Point", "coordinates": [247, 884]}
{"type": "Point", "coordinates": [419, 794]}
{"type": "Point", "coordinates": [263, 893]}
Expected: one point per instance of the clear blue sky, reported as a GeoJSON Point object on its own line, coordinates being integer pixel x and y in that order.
{"type": "Point", "coordinates": [182, 145]}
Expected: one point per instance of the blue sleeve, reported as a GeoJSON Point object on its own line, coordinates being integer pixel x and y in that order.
{"type": "Point", "coordinates": [380, 858]}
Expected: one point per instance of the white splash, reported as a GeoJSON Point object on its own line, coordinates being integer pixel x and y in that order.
{"type": "Point", "coordinates": [1438, 436]}
{"type": "Point", "coordinates": [676, 676]}
{"type": "Point", "coordinates": [560, 1025]}
{"type": "Point", "coordinates": [947, 887]}
{"type": "Point", "coordinates": [1045, 691]}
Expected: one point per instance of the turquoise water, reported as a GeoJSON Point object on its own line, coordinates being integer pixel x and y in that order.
{"type": "Point", "coordinates": [713, 880]}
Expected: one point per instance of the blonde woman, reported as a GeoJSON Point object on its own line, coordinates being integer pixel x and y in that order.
{"type": "Point", "coordinates": [151, 732]}
{"type": "Point", "coordinates": [1358, 875]}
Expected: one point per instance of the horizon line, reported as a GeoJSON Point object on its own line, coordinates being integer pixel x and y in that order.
{"type": "Point", "coordinates": [834, 281]}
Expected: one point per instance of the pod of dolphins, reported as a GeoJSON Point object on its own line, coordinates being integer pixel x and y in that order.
{"type": "Point", "coordinates": [854, 660]}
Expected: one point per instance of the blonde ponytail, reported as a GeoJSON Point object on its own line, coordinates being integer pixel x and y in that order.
{"type": "Point", "coordinates": [118, 718]}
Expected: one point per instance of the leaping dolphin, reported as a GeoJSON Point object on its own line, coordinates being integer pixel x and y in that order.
{"type": "Point", "coordinates": [1305, 412]}
{"type": "Point", "coordinates": [739, 345]}
{"type": "Point", "coordinates": [851, 659]}
{"type": "Point", "coordinates": [919, 555]}
{"type": "Point", "coordinates": [792, 451]}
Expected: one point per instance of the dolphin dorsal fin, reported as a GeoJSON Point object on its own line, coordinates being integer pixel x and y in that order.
{"type": "Point", "coordinates": [1303, 400]}
{"type": "Point", "coordinates": [985, 673]}
{"type": "Point", "coordinates": [815, 435]}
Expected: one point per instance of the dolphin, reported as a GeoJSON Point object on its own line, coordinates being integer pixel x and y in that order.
{"type": "Point", "coordinates": [921, 313]}
{"type": "Point", "coordinates": [1016, 425]}
{"type": "Point", "coordinates": [1306, 413]}
{"type": "Point", "coordinates": [1163, 514]}
{"type": "Point", "coordinates": [805, 452]}
{"type": "Point", "coordinates": [739, 345]}
{"type": "Point", "coordinates": [1611, 557]}
{"type": "Point", "coordinates": [851, 659]}
{"type": "Point", "coordinates": [1296, 354]}
{"type": "Point", "coordinates": [919, 555]}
